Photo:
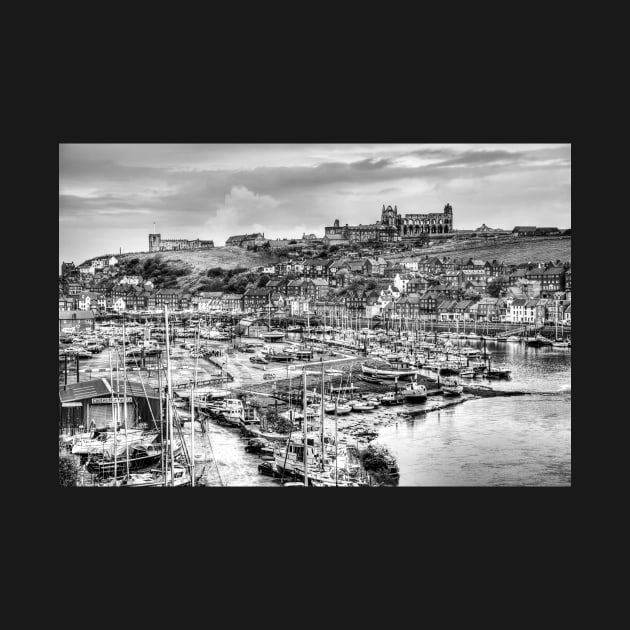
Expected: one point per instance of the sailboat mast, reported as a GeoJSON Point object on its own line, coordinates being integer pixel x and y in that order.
{"type": "Point", "coordinates": [125, 399]}
{"type": "Point", "coordinates": [192, 436]}
{"type": "Point", "coordinates": [111, 378]}
{"type": "Point", "coordinates": [322, 415]}
{"type": "Point", "coordinates": [169, 394]}
{"type": "Point", "coordinates": [304, 427]}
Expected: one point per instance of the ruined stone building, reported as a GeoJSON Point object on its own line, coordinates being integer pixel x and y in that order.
{"type": "Point", "coordinates": [157, 244]}
{"type": "Point", "coordinates": [394, 227]}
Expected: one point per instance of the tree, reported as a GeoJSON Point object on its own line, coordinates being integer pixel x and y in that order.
{"type": "Point", "coordinates": [493, 289]}
{"type": "Point", "coordinates": [262, 281]}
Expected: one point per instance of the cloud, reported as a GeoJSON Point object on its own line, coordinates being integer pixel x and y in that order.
{"type": "Point", "coordinates": [112, 193]}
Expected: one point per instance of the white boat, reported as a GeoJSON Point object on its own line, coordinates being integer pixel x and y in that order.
{"type": "Point", "coordinates": [467, 373]}
{"type": "Point", "coordinates": [450, 387]}
{"type": "Point", "coordinates": [384, 369]}
{"type": "Point", "coordinates": [178, 476]}
{"type": "Point", "coordinates": [514, 338]}
{"type": "Point", "coordinates": [561, 344]}
{"type": "Point", "coordinates": [232, 411]}
{"type": "Point", "coordinates": [414, 393]}
{"type": "Point", "coordinates": [361, 405]}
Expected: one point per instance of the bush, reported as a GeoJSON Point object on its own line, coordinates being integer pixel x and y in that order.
{"type": "Point", "coordinates": [68, 471]}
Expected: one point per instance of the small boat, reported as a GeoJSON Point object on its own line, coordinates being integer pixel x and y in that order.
{"type": "Point", "coordinates": [361, 405]}
{"type": "Point", "coordinates": [258, 358]}
{"type": "Point", "coordinates": [450, 387]}
{"type": "Point", "coordinates": [391, 398]}
{"type": "Point", "coordinates": [414, 393]}
{"type": "Point", "coordinates": [467, 373]}
{"type": "Point", "coordinates": [179, 476]}
{"type": "Point", "coordinates": [341, 409]}
{"type": "Point", "coordinates": [538, 341]}
{"type": "Point", "coordinates": [498, 374]}
{"type": "Point", "coordinates": [513, 338]}
{"type": "Point", "coordinates": [560, 343]}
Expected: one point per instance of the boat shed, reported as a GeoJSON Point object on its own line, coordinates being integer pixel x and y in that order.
{"type": "Point", "coordinates": [76, 320]}
{"type": "Point", "coordinates": [93, 404]}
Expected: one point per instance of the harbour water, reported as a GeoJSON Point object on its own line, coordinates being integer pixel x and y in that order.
{"type": "Point", "coordinates": [520, 440]}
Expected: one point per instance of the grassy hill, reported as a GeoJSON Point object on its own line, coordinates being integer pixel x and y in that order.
{"type": "Point", "coordinates": [507, 249]}
{"type": "Point", "coordinates": [197, 262]}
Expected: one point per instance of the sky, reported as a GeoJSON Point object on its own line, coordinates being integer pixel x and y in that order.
{"type": "Point", "coordinates": [111, 194]}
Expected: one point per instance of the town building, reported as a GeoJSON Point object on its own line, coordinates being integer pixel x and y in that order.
{"type": "Point", "coordinates": [158, 244]}
{"type": "Point", "coordinates": [392, 227]}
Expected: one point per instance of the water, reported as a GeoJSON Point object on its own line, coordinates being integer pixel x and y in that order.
{"type": "Point", "coordinates": [520, 440]}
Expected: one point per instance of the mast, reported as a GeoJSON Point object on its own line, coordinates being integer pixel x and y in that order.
{"type": "Point", "coordinates": [169, 393]}
{"type": "Point", "coordinates": [125, 399]}
{"type": "Point", "coordinates": [304, 428]}
{"type": "Point", "coordinates": [192, 436]}
{"type": "Point", "coordinates": [111, 377]}
{"type": "Point", "coordinates": [322, 414]}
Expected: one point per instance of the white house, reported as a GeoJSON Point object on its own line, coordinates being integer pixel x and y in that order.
{"type": "Point", "coordinates": [401, 283]}
{"type": "Point", "coordinates": [411, 264]}
{"type": "Point", "coordinates": [131, 280]}
{"type": "Point", "coordinates": [112, 261]}
{"type": "Point", "coordinates": [87, 270]}
{"type": "Point", "coordinates": [119, 304]}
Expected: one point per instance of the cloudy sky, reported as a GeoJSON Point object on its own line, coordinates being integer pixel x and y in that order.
{"type": "Point", "coordinates": [110, 194]}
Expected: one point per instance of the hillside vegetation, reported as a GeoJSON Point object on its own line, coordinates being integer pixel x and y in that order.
{"type": "Point", "coordinates": [506, 249]}
{"type": "Point", "coordinates": [189, 269]}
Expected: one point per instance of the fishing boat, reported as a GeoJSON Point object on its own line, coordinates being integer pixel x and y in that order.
{"type": "Point", "coordinates": [231, 412]}
{"type": "Point", "coordinates": [392, 398]}
{"type": "Point", "coordinates": [450, 387]}
{"type": "Point", "coordinates": [414, 393]}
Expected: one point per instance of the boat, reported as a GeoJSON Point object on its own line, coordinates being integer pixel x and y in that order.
{"type": "Point", "coordinates": [177, 476]}
{"type": "Point", "coordinates": [467, 373]}
{"type": "Point", "coordinates": [272, 336]}
{"type": "Point", "coordinates": [414, 393]}
{"type": "Point", "coordinates": [513, 338]}
{"type": "Point", "coordinates": [392, 398]}
{"type": "Point", "coordinates": [361, 405]}
{"type": "Point", "coordinates": [341, 409]}
{"type": "Point", "coordinates": [231, 412]}
{"type": "Point", "coordinates": [450, 387]}
{"type": "Point", "coordinates": [561, 343]}
{"type": "Point", "coordinates": [140, 456]}
{"type": "Point", "coordinates": [385, 369]}
{"type": "Point", "coordinates": [538, 341]}
{"type": "Point", "coordinates": [258, 358]}
{"type": "Point", "coordinates": [498, 374]}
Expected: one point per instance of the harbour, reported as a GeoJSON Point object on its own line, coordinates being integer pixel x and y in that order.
{"type": "Point", "coordinates": [362, 408]}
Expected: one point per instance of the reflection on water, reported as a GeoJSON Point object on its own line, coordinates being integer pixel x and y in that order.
{"type": "Point", "coordinates": [522, 440]}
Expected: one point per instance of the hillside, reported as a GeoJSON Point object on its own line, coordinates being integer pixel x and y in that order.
{"type": "Point", "coordinates": [507, 249]}
{"type": "Point", "coordinates": [201, 260]}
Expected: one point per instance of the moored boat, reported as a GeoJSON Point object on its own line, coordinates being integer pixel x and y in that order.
{"type": "Point", "coordinates": [414, 393]}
